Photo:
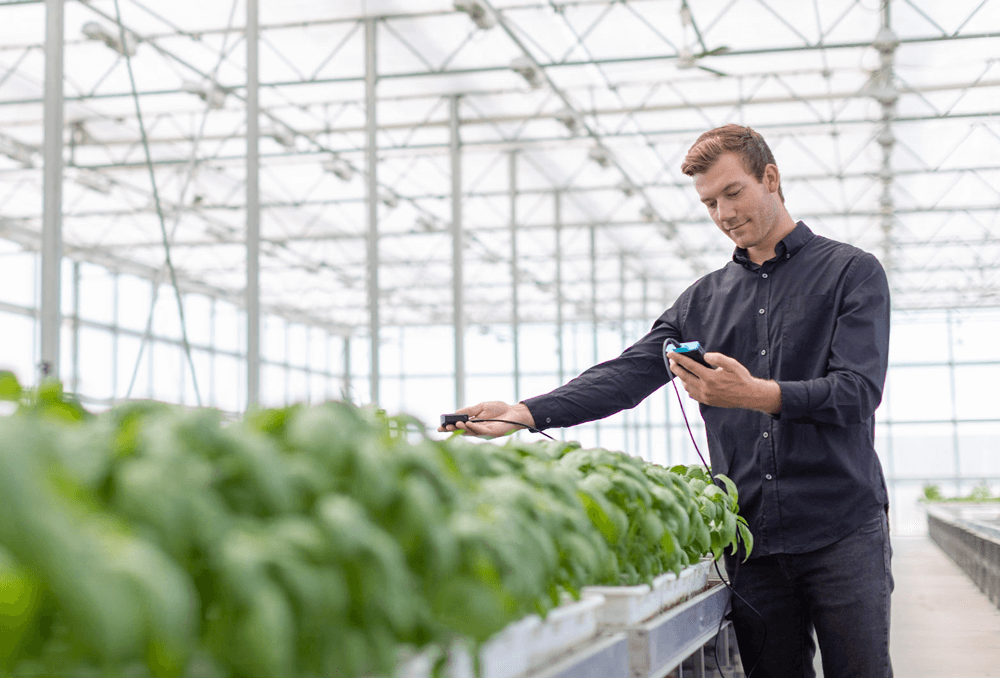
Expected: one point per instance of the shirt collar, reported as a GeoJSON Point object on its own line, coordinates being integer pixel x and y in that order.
{"type": "Point", "coordinates": [785, 249]}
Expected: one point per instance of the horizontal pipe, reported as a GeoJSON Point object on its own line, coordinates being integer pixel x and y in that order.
{"type": "Point", "coordinates": [497, 229]}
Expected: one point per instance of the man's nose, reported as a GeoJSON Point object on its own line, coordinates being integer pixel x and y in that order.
{"type": "Point", "coordinates": [726, 211]}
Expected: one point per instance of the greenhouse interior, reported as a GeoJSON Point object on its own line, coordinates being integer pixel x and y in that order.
{"type": "Point", "coordinates": [290, 235]}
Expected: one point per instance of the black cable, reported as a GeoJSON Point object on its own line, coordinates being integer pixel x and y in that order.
{"type": "Point", "coordinates": [722, 620]}
{"type": "Point", "coordinates": [516, 423]}
{"type": "Point", "coordinates": [736, 569]}
{"type": "Point", "coordinates": [694, 442]}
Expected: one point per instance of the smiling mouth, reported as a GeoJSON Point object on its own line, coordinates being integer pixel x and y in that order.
{"type": "Point", "coordinates": [736, 228]}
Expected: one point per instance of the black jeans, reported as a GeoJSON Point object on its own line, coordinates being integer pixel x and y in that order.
{"type": "Point", "coordinates": [842, 591]}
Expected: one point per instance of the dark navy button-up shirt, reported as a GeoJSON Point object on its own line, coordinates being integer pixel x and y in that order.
{"type": "Point", "coordinates": [815, 318]}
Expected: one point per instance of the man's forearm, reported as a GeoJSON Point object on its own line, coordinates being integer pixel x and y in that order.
{"type": "Point", "coordinates": [765, 397]}
{"type": "Point", "coordinates": [520, 413]}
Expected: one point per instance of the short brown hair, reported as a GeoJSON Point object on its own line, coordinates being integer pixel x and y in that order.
{"type": "Point", "coordinates": [743, 141]}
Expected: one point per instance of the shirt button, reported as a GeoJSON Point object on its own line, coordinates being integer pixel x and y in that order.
{"type": "Point", "coordinates": [763, 351]}
{"type": "Point", "coordinates": [768, 476]}
{"type": "Point", "coordinates": [548, 420]}
{"type": "Point", "coordinates": [766, 434]}
{"type": "Point", "coordinates": [788, 256]}
{"type": "Point", "coordinates": [761, 311]}
{"type": "Point", "coordinates": [763, 275]}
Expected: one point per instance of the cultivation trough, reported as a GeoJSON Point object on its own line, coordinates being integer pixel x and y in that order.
{"type": "Point", "coordinates": [612, 632]}
{"type": "Point", "coordinates": [630, 605]}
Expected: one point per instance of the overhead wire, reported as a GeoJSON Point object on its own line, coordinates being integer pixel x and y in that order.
{"type": "Point", "coordinates": [192, 167]}
{"type": "Point", "coordinates": [731, 585]}
{"type": "Point", "coordinates": [159, 209]}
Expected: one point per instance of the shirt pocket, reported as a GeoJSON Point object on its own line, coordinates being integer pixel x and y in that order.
{"type": "Point", "coordinates": [808, 323]}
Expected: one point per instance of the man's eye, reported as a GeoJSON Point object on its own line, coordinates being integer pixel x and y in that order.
{"type": "Point", "coordinates": [734, 194]}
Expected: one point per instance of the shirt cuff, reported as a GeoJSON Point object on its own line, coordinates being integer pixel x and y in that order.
{"type": "Point", "coordinates": [544, 411]}
{"type": "Point", "coordinates": [794, 399]}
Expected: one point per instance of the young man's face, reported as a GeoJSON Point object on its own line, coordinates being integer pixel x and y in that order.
{"type": "Point", "coordinates": [746, 210]}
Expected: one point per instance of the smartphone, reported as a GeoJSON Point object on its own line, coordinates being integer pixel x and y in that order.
{"type": "Point", "coordinates": [692, 349]}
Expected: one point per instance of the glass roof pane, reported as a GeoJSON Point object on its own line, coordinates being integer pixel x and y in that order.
{"type": "Point", "coordinates": [897, 150]}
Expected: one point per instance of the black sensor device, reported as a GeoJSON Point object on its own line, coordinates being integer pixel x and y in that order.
{"type": "Point", "coordinates": [452, 419]}
{"type": "Point", "coordinates": [692, 349]}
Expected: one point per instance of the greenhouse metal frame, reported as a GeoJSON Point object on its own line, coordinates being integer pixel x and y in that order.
{"type": "Point", "coordinates": [421, 204]}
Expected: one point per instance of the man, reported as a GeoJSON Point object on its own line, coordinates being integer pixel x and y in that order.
{"type": "Point", "coordinates": [797, 329]}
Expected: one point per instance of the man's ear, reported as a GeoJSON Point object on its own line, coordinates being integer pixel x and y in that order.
{"type": "Point", "coordinates": [772, 178]}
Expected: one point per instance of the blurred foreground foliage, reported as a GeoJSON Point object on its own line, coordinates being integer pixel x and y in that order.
{"type": "Point", "coordinates": [157, 540]}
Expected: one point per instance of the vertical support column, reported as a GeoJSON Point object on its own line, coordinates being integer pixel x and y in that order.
{"type": "Point", "coordinates": [886, 426]}
{"type": "Point", "coordinates": [515, 311]}
{"type": "Point", "coordinates": [649, 402]}
{"type": "Point", "coordinates": [182, 378]}
{"type": "Point", "coordinates": [309, 370]}
{"type": "Point", "coordinates": [327, 366]}
{"type": "Point", "coordinates": [887, 95]}
{"type": "Point", "coordinates": [560, 322]}
{"type": "Point", "coordinates": [593, 312]}
{"type": "Point", "coordinates": [286, 359]}
{"type": "Point", "coordinates": [115, 334]}
{"type": "Point", "coordinates": [622, 316]}
{"type": "Point", "coordinates": [51, 313]}
{"type": "Point", "coordinates": [402, 368]}
{"type": "Point", "coordinates": [698, 661]}
{"type": "Point", "coordinates": [74, 386]}
{"type": "Point", "coordinates": [151, 351]}
{"type": "Point", "coordinates": [253, 206]}
{"type": "Point", "coordinates": [668, 397]}
{"type": "Point", "coordinates": [560, 343]}
{"type": "Point", "coordinates": [213, 354]}
{"type": "Point", "coordinates": [956, 455]}
{"type": "Point", "coordinates": [371, 129]}
{"type": "Point", "coordinates": [668, 428]}
{"type": "Point", "coordinates": [457, 251]}
{"type": "Point", "coordinates": [347, 369]}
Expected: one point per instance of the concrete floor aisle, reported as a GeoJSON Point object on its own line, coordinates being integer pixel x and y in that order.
{"type": "Point", "coordinates": [942, 624]}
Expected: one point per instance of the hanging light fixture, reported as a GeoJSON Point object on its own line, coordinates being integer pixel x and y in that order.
{"type": "Point", "coordinates": [626, 187]}
{"type": "Point", "coordinates": [600, 155]}
{"type": "Point", "coordinates": [526, 68]}
{"type": "Point", "coordinates": [427, 223]}
{"type": "Point", "coordinates": [282, 135]}
{"type": "Point", "coordinates": [339, 167]}
{"type": "Point", "coordinates": [207, 91]}
{"type": "Point", "coordinates": [17, 151]}
{"type": "Point", "coordinates": [388, 198]}
{"type": "Point", "coordinates": [570, 119]}
{"type": "Point", "coordinates": [111, 38]}
{"type": "Point", "coordinates": [480, 13]}
{"type": "Point", "coordinates": [95, 181]}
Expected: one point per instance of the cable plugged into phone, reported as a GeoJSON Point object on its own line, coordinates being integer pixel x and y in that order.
{"type": "Point", "coordinates": [692, 349]}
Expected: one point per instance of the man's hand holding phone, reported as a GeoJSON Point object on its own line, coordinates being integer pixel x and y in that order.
{"type": "Point", "coordinates": [720, 381]}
